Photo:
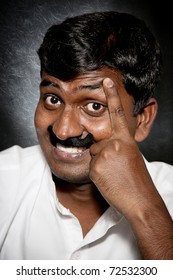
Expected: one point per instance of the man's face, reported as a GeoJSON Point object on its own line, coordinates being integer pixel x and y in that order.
{"type": "Point", "coordinates": [76, 108]}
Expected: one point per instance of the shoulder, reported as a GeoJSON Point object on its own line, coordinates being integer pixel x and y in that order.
{"type": "Point", "coordinates": [18, 165]}
{"type": "Point", "coordinates": [160, 171]}
{"type": "Point", "coordinates": [15, 155]}
{"type": "Point", "coordinates": [18, 158]}
{"type": "Point", "coordinates": [162, 176]}
{"type": "Point", "coordinates": [21, 171]}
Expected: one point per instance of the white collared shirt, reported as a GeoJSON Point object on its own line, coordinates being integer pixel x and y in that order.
{"type": "Point", "coordinates": [34, 225]}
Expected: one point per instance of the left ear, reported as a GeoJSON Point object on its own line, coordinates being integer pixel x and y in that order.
{"type": "Point", "coordinates": [145, 120]}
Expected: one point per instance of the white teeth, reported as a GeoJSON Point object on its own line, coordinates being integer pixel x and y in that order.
{"type": "Point", "coordinates": [71, 150]}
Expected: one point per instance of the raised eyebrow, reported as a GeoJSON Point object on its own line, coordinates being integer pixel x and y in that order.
{"type": "Point", "coordinates": [91, 86]}
{"type": "Point", "coordinates": [46, 83]}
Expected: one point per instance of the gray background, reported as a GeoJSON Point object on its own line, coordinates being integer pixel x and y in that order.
{"type": "Point", "coordinates": [22, 26]}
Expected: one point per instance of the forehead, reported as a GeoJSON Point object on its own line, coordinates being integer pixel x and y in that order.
{"type": "Point", "coordinates": [87, 81]}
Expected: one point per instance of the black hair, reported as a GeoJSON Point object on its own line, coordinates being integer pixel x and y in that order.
{"type": "Point", "coordinates": [91, 41]}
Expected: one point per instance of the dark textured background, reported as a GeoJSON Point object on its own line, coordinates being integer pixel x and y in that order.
{"type": "Point", "coordinates": [22, 26]}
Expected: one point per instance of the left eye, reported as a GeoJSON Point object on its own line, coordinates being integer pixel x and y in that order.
{"type": "Point", "coordinates": [94, 108]}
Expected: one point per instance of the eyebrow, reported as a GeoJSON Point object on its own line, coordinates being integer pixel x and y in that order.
{"type": "Point", "coordinates": [91, 86]}
{"type": "Point", "coordinates": [46, 83]}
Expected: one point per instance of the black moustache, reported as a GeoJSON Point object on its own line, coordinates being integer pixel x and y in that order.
{"type": "Point", "coordinates": [72, 141]}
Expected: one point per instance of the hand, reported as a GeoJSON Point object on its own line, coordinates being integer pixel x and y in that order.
{"type": "Point", "coordinates": [117, 167]}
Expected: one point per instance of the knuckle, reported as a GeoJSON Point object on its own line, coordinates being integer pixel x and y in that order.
{"type": "Point", "coordinates": [119, 111]}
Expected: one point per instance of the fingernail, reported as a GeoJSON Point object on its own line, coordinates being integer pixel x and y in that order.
{"type": "Point", "coordinates": [108, 82]}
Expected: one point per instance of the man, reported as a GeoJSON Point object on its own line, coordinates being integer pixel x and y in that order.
{"type": "Point", "coordinates": [88, 193]}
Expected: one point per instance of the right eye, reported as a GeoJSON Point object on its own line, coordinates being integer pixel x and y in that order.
{"type": "Point", "coordinates": [52, 102]}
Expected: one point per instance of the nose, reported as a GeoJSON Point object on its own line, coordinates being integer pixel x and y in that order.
{"type": "Point", "coordinates": [68, 125]}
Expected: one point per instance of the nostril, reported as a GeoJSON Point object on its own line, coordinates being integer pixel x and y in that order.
{"type": "Point", "coordinates": [67, 124]}
{"type": "Point", "coordinates": [71, 141]}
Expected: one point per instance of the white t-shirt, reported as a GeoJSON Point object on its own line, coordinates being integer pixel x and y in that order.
{"type": "Point", "coordinates": [34, 225]}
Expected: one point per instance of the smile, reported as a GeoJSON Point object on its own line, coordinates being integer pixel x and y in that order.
{"type": "Point", "coordinates": [70, 150]}
{"type": "Point", "coordinates": [70, 153]}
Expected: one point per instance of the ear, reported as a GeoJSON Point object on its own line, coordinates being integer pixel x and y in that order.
{"type": "Point", "coordinates": [145, 120]}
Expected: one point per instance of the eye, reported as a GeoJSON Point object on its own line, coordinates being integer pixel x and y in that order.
{"type": "Point", "coordinates": [94, 108]}
{"type": "Point", "coordinates": [52, 101]}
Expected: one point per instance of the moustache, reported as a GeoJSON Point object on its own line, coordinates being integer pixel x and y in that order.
{"type": "Point", "coordinates": [71, 141]}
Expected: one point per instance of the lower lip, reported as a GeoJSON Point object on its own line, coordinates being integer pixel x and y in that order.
{"type": "Point", "coordinates": [69, 156]}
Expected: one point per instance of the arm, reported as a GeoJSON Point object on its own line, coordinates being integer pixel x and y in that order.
{"type": "Point", "coordinates": [119, 172]}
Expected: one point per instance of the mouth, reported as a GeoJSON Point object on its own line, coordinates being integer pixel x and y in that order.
{"type": "Point", "coordinates": [72, 148]}
{"type": "Point", "coordinates": [70, 153]}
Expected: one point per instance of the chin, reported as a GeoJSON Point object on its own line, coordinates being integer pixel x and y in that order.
{"type": "Point", "coordinates": [72, 173]}
{"type": "Point", "coordinates": [72, 178]}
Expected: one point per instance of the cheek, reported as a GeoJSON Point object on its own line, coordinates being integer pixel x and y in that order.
{"type": "Point", "coordinates": [100, 129]}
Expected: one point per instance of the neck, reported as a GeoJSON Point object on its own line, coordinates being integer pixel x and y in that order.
{"type": "Point", "coordinates": [83, 200]}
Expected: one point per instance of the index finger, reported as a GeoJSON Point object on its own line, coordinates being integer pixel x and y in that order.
{"type": "Point", "coordinates": [117, 116]}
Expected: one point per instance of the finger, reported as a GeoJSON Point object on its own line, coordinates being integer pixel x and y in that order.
{"type": "Point", "coordinates": [117, 116]}
{"type": "Point", "coordinates": [97, 147]}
